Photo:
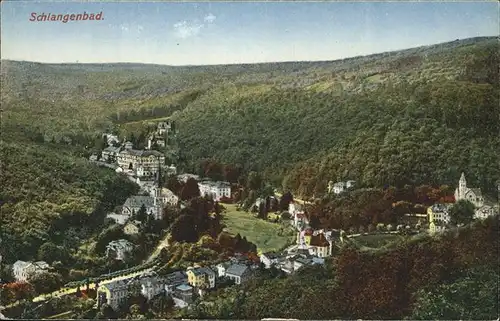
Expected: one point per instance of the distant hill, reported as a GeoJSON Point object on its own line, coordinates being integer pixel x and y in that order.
{"type": "Point", "coordinates": [414, 116]}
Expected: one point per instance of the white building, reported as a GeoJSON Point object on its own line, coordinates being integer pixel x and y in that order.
{"type": "Point", "coordinates": [340, 187]}
{"type": "Point", "coordinates": [439, 213]}
{"type": "Point", "coordinates": [484, 212]}
{"type": "Point", "coordinates": [269, 259]}
{"type": "Point", "coordinates": [111, 139]}
{"type": "Point", "coordinates": [475, 196]}
{"type": "Point", "coordinates": [298, 215]}
{"type": "Point", "coordinates": [119, 249]}
{"type": "Point", "coordinates": [184, 177]}
{"type": "Point", "coordinates": [221, 269]}
{"type": "Point", "coordinates": [164, 127]}
{"type": "Point", "coordinates": [110, 154]}
{"type": "Point", "coordinates": [216, 190]}
{"type": "Point", "coordinates": [143, 162]}
{"type": "Point", "coordinates": [24, 270]}
{"type": "Point", "coordinates": [472, 195]}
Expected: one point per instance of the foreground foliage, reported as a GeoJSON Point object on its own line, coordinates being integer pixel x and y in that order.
{"type": "Point", "coordinates": [409, 280]}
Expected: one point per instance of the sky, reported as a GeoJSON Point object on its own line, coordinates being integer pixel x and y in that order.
{"type": "Point", "coordinates": [243, 32]}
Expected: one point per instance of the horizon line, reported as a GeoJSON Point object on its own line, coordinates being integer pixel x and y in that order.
{"type": "Point", "coordinates": [250, 63]}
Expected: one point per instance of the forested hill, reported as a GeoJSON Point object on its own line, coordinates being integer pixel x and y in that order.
{"type": "Point", "coordinates": [415, 116]}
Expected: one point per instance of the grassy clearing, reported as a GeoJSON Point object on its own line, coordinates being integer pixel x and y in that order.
{"type": "Point", "coordinates": [265, 235]}
{"type": "Point", "coordinates": [376, 240]}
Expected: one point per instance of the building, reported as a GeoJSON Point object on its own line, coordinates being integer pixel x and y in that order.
{"type": "Point", "coordinates": [134, 203]}
{"type": "Point", "coordinates": [436, 226]}
{"type": "Point", "coordinates": [473, 195]}
{"type": "Point", "coordinates": [319, 243]}
{"type": "Point", "coordinates": [145, 163]}
{"type": "Point", "coordinates": [110, 154]}
{"type": "Point", "coordinates": [484, 212]}
{"type": "Point", "coordinates": [23, 271]}
{"type": "Point", "coordinates": [439, 213]}
{"type": "Point", "coordinates": [148, 284]}
{"type": "Point", "coordinates": [114, 293]}
{"type": "Point", "coordinates": [175, 279]}
{"type": "Point", "coordinates": [164, 127]}
{"type": "Point", "coordinates": [239, 273]}
{"type": "Point", "coordinates": [132, 228]}
{"type": "Point", "coordinates": [185, 177]}
{"type": "Point", "coordinates": [221, 269]}
{"type": "Point", "coordinates": [183, 292]}
{"type": "Point", "coordinates": [151, 286]}
{"type": "Point", "coordinates": [111, 139]}
{"type": "Point", "coordinates": [286, 265]}
{"type": "Point", "coordinates": [340, 187]}
{"type": "Point", "coordinates": [164, 195]}
{"type": "Point", "coordinates": [269, 259]}
{"type": "Point", "coordinates": [201, 277]}
{"type": "Point", "coordinates": [216, 190]}
{"type": "Point", "coordinates": [320, 246]}
{"type": "Point", "coordinates": [119, 249]}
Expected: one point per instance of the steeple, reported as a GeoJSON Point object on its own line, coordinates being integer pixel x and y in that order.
{"type": "Point", "coordinates": [462, 187]}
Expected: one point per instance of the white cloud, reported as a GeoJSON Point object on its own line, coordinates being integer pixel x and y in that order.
{"type": "Point", "coordinates": [124, 28]}
{"type": "Point", "coordinates": [186, 29]}
{"type": "Point", "coordinates": [210, 18]}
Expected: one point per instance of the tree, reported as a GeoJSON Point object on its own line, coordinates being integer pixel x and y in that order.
{"type": "Point", "coordinates": [462, 212]}
{"type": "Point", "coordinates": [184, 230]}
{"type": "Point", "coordinates": [106, 312]}
{"type": "Point", "coordinates": [50, 252]}
{"type": "Point", "coordinates": [15, 291]}
{"type": "Point", "coordinates": [46, 282]}
{"type": "Point", "coordinates": [6, 274]}
{"type": "Point", "coordinates": [141, 214]}
{"type": "Point", "coordinates": [254, 181]}
{"type": "Point", "coordinates": [285, 201]}
{"type": "Point", "coordinates": [78, 292]}
{"type": "Point", "coordinates": [190, 190]}
{"type": "Point", "coordinates": [162, 304]}
{"type": "Point", "coordinates": [473, 296]}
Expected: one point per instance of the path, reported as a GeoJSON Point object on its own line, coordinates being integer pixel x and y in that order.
{"type": "Point", "coordinates": [161, 245]}
{"type": "Point", "coordinates": [66, 291]}
{"type": "Point", "coordinates": [294, 198]}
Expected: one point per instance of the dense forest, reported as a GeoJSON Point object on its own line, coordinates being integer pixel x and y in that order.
{"type": "Point", "coordinates": [417, 116]}
{"type": "Point", "coordinates": [51, 196]}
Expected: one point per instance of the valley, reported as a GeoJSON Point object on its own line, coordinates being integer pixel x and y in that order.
{"type": "Point", "coordinates": [216, 191]}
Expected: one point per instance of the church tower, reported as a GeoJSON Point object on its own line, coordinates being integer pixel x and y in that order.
{"type": "Point", "coordinates": [462, 186]}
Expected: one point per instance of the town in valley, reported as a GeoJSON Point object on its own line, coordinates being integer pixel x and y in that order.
{"type": "Point", "coordinates": [252, 160]}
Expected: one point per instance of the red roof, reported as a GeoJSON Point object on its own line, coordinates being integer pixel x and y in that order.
{"type": "Point", "coordinates": [319, 240]}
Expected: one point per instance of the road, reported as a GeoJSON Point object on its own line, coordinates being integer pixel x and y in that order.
{"type": "Point", "coordinates": [161, 245]}
{"type": "Point", "coordinates": [294, 198]}
{"type": "Point", "coordinates": [66, 291]}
